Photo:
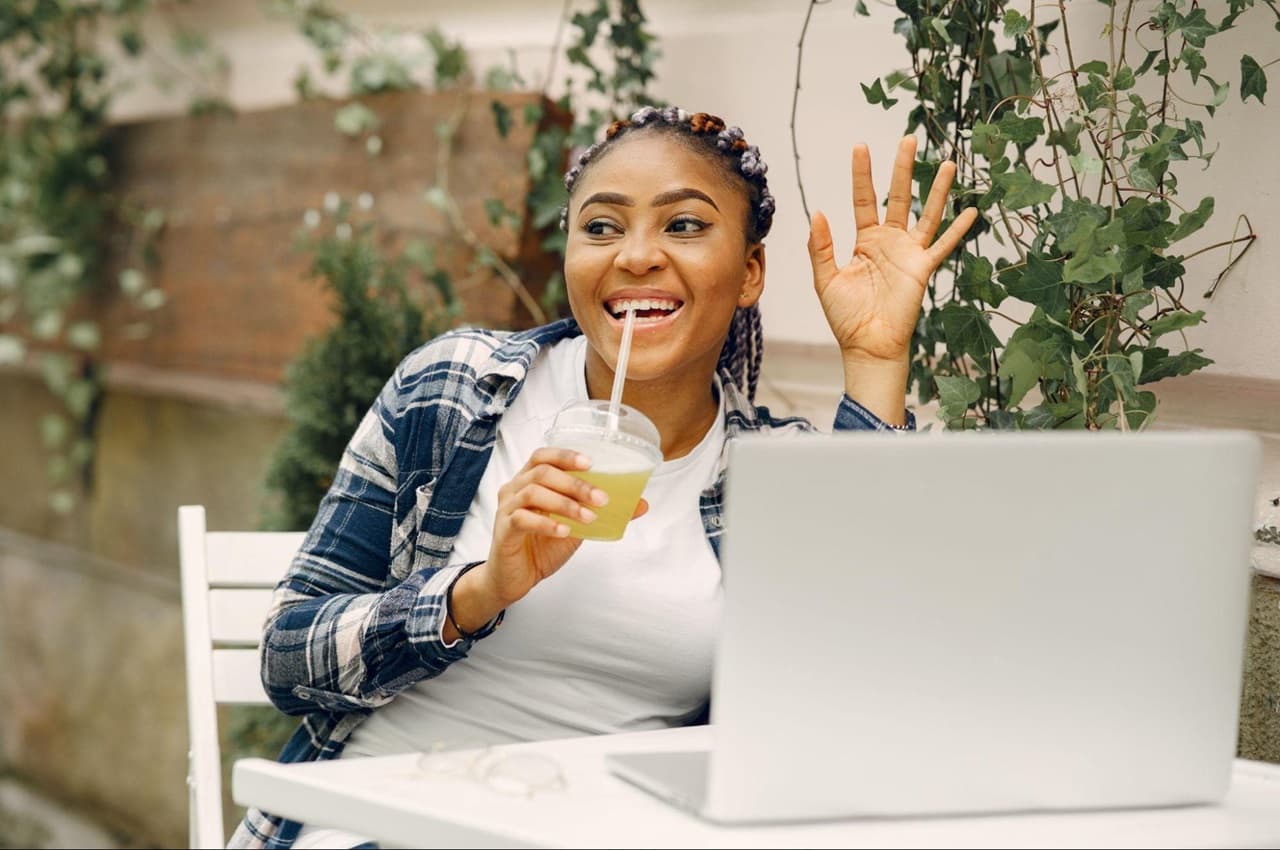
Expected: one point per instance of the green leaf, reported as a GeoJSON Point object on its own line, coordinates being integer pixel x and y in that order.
{"type": "Point", "coordinates": [54, 429]}
{"type": "Point", "coordinates": [1253, 80]}
{"type": "Point", "coordinates": [957, 393]}
{"type": "Point", "coordinates": [1068, 138]}
{"type": "Point", "coordinates": [12, 349]}
{"type": "Point", "coordinates": [1124, 78]}
{"type": "Point", "coordinates": [1020, 365]}
{"type": "Point", "coordinates": [436, 197]}
{"type": "Point", "coordinates": [84, 335]}
{"type": "Point", "coordinates": [1092, 251]}
{"type": "Point", "coordinates": [1021, 189]}
{"type": "Point", "coordinates": [1194, 61]}
{"type": "Point", "coordinates": [940, 27]}
{"type": "Point", "coordinates": [493, 210]}
{"type": "Point", "coordinates": [1190, 222]}
{"type": "Point", "coordinates": [1157, 364]}
{"type": "Point", "coordinates": [968, 331]}
{"type": "Point", "coordinates": [1142, 411]}
{"type": "Point", "coordinates": [1085, 163]}
{"type": "Point", "coordinates": [860, 8]}
{"type": "Point", "coordinates": [1134, 305]}
{"type": "Point", "coordinates": [1040, 284]}
{"type": "Point", "coordinates": [354, 119]}
{"type": "Point", "coordinates": [62, 502]}
{"type": "Point", "coordinates": [1097, 66]}
{"type": "Point", "coordinates": [1120, 371]}
{"type": "Point", "coordinates": [1174, 321]}
{"type": "Point", "coordinates": [975, 282]}
{"type": "Point", "coordinates": [987, 140]}
{"type": "Point", "coordinates": [1015, 24]}
{"type": "Point", "coordinates": [1021, 131]}
{"type": "Point", "coordinates": [501, 117]}
{"type": "Point", "coordinates": [1195, 28]}
{"type": "Point", "coordinates": [1220, 93]}
{"type": "Point", "coordinates": [875, 94]}
{"type": "Point", "coordinates": [1078, 374]}
{"type": "Point", "coordinates": [1146, 63]}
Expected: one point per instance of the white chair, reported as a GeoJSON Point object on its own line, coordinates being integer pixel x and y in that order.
{"type": "Point", "coordinates": [227, 579]}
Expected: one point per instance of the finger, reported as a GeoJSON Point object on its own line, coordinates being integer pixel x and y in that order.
{"type": "Point", "coordinates": [642, 508]}
{"type": "Point", "coordinates": [530, 522]}
{"type": "Point", "coordinates": [951, 237]}
{"type": "Point", "coordinates": [865, 213]}
{"type": "Point", "coordinates": [822, 252]}
{"type": "Point", "coordinates": [561, 482]}
{"type": "Point", "coordinates": [936, 204]}
{"type": "Point", "coordinates": [899, 207]}
{"type": "Point", "coordinates": [563, 458]}
{"type": "Point", "coordinates": [544, 500]}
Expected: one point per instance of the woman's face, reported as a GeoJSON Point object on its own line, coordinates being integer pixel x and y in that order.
{"type": "Point", "coordinates": [655, 225]}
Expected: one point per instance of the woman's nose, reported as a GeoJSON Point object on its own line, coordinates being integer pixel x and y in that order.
{"type": "Point", "coordinates": [639, 253]}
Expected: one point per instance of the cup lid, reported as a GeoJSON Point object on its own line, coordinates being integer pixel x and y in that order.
{"type": "Point", "coordinates": [593, 418]}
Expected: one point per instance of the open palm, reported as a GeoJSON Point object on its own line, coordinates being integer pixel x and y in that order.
{"type": "Point", "coordinates": [873, 301]}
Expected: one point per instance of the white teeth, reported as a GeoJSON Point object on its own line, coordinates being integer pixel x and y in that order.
{"type": "Point", "coordinates": [620, 308]}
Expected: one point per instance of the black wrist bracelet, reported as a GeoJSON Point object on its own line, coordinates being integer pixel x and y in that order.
{"type": "Point", "coordinates": [448, 607]}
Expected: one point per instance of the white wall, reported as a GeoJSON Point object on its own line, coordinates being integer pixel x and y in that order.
{"type": "Point", "coordinates": [738, 59]}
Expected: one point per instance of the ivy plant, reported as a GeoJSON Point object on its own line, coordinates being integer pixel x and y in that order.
{"type": "Point", "coordinates": [60, 211]}
{"type": "Point", "coordinates": [1073, 163]}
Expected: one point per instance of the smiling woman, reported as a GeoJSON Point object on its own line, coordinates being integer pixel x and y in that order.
{"type": "Point", "coordinates": [441, 521]}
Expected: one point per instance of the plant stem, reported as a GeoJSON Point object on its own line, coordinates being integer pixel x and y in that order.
{"type": "Point", "coordinates": [795, 101]}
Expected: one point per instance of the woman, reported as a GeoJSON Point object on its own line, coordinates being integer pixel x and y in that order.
{"type": "Point", "coordinates": [438, 525]}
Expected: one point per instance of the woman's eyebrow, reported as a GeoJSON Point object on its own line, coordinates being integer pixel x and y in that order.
{"type": "Point", "coordinates": [610, 198]}
{"type": "Point", "coordinates": [677, 195]}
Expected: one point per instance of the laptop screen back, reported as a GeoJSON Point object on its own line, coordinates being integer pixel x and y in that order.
{"type": "Point", "coordinates": [952, 623]}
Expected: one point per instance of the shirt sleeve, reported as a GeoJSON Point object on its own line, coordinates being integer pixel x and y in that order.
{"type": "Point", "coordinates": [851, 416]}
{"type": "Point", "coordinates": [337, 638]}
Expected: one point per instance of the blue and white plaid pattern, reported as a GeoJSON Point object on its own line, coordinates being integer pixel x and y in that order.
{"type": "Point", "coordinates": [356, 619]}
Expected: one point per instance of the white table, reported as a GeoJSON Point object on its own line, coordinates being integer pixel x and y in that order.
{"type": "Point", "coordinates": [393, 801]}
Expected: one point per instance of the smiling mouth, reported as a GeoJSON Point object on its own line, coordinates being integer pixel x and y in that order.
{"type": "Point", "coordinates": [647, 309]}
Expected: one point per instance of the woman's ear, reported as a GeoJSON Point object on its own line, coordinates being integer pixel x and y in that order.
{"type": "Point", "coordinates": [753, 278]}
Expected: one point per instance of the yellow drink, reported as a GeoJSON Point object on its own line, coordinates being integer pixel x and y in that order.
{"type": "Point", "coordinates": [624, 489]}
{"type": "Point", "coordinates": [620, 469]}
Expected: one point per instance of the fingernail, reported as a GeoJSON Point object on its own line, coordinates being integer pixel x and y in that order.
{"type": "Point", "coordinates": [587, 515]}
{"type": "Point", "coordinates": [562, 530]}
{"type": "Point", "coordinates": [583, 461]}
{"type": "Point", "coordinates": [599, 497]}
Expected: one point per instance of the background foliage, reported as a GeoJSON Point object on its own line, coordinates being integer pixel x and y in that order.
{"type": "Point", "coordinates": [58, 204]}
{"type": "Point", "coordinates": [1074, 167]}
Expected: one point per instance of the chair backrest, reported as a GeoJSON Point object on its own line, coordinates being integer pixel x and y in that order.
{"type": "Point", "coordinates": [227, 580]}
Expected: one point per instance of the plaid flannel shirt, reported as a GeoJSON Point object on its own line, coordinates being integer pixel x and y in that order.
{"type": "Point", "coordinates": [357, 617]}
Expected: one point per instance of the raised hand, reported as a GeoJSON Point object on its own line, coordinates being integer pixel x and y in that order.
{"type": "Point", "coordinates": [873, 302]}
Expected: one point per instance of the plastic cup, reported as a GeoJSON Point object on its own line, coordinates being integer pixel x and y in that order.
{"type": "Point", "coordinates": [623, 456]}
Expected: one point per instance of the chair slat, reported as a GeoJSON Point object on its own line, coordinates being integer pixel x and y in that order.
{"type": "Point", "coordinates": [250, 558]}
{"type": "Point", "coordinates": [236, 616]}
{"type": "Point", "coordinates": [235, 677]}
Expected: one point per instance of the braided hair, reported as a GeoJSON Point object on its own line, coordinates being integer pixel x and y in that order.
{"type": "Point", "coordinates": [708, 135]}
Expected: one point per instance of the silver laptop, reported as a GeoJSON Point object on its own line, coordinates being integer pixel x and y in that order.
{"type": "Point", "coordinates": [968, 624]}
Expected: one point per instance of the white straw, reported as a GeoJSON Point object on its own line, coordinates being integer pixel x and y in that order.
{"type": "Point", "coordinates": [620, 373]}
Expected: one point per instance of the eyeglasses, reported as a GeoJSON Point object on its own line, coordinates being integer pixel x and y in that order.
{"type": "Point", "coordinates": [516, 774]}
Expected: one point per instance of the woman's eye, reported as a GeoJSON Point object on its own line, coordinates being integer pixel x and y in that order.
{"type": "Point", "coordinates": [600, 227]}
{"type": "Point", "coordinates": [686, 224]}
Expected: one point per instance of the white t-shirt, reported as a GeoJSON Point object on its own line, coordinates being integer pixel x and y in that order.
{"type": "Point", "coordinates": [619, 640]}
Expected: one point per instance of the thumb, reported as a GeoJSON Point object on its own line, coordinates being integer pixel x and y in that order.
{"type": "Point", "coordinates": [822, 253]}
